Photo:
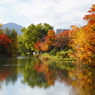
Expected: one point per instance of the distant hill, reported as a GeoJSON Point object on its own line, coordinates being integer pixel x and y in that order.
{"type": "Point", "coordinates": [13, 26]}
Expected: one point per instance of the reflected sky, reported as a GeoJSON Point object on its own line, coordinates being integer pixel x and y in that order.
{"type": "Point", "coordinates": [29, 76]}
{"type": "Point", "coordinates": [23, 89]}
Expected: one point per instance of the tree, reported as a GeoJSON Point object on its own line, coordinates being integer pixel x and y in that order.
{"type": "Point", "coordinates": [90, 18]}
{"type": "Point", "coordinates": [83, 40]}
{"type": "Point", "coordinates": [46, 43]}
{"type": "Point", "coordinates": [12, 34]}
{"type": "Point", "coordinates": [62, 40]}
{"type": "Point", "coordinates": [1, 30]}
{"type": "Point", "coordinates": [5, 43]}
{"type": "Point", "coordinates": [32, 33]}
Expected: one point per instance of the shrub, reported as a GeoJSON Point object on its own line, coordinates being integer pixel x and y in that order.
{"type": "Point", "coordinates": [53, 52]}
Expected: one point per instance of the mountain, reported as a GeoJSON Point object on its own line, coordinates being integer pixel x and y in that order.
{"type": "Point", "coordinates": [13, 26]}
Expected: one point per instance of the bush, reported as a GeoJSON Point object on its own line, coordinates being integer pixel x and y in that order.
{"type": "Point", "coordinates": [63, 54]}
{"type": "Point", "coordinates": [53, 52]}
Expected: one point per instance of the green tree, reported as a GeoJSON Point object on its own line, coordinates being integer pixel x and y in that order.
{"type": "Point", "coordinates": [21, 45]}
{"type": "Point", "coordinates": [1, 30]}
{"type": "Point", "coordinates": [32, 33]}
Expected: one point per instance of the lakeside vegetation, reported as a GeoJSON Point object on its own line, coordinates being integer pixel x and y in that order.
{"type": "Point", "coordinates": [78, 43]}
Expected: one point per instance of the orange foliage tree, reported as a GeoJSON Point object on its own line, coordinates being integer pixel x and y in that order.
{"type": "Point", "coordinates": [83, 40]}
{"type": "Point", "coordinates": [52, 41]}
{"type": "Point", "coordinates": [46, 43]}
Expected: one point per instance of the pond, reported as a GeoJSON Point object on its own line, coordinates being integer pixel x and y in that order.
{"type": "Point", "coordinates": [30, 76]}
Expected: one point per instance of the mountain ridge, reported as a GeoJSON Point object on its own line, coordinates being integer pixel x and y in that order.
{"type": "Point", "coordinates": [12, 25]}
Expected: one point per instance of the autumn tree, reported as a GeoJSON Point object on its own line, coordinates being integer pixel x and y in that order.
{"type": "Point", "coordinates": [12, 34]}
{"type": "Point", "coordinates": [90, 18]}
{"type": "Point", "coordinates": [62, 40]}
{"type": "Point", "coordinates": [5, 43]}
{"type": "Point", "coordinates": [46, 43]}
{"type": "Point", "coordinates": [83, 39]}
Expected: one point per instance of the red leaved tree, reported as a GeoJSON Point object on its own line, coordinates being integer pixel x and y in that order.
{"type": "Point", "coordinates": [4, 43]}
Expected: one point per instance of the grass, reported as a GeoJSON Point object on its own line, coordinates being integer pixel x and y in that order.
{"type": "Point", "coordinates": [47, 58]}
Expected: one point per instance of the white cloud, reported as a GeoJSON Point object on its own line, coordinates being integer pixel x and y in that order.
{"type": "Point", "coordinates": [58, 13]}
{"type": "Point", "coordinates": [58, 89]}
{"type": "Point", "coordinates": [3, 10]}
{"type": "Point", "coordinates": [5, 1]}
{"type": "Point", "coordinates": [3, 13]}
{"type": "Point", "coordinates": [30, 91]}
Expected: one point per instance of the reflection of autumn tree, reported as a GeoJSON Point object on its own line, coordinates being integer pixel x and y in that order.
{"type": "Point", "coordinates": [36, 73]}
{"type": "Point", "coordinates": [4, 72]}
{"type": "Point", "coordinates": [53, 73]}
{"type": "Point", "coordinates": [8, 73]}
{"type": "Point", "coordinates": [44, 69]}
{"type": "Point", "coordinates": [83, 80]}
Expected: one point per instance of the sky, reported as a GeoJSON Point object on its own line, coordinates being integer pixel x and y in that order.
{"type": "Point", "coordinates": [58, 13]}
{"type": "Point", "coordinates": [23, 89]}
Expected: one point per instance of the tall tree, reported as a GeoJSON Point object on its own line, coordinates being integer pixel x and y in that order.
{"type": "Point", "coordinates": [83, 39]}
{"type": "Point", "coordinates": [12, 34]}
{"type": "Point", "coordinates": [32, 33]}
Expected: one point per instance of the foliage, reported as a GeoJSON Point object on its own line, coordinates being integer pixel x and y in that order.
{"type": "Point", "coordinates": [8, 41]}
{"type": "Point", "coordinates": [32, 33]}
{"type": "Point", "coordinates": [45, 43]}
{"type": "Point", "coordinates": [5, 43]}
{"type": "Point", "coordinates": [1, 30]}
{"type": "Point", "coordinates": [52, 41]}
{"type": "Point", "coordinates": [21, 46]}
{"type": "Point", "coordinates": [83, 39]}
{"type": "Point", "coordinates": [12, 34]}
{"type": "Point", "coordinates": [90, 18]}
{"type": "Point", "coordinates": [62, 40]}
{"type": "Point", "coordinates": [63, 54]}
{"type": "Point", "coordinates": [54, 51]}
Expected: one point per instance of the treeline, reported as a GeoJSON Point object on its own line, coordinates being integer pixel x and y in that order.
{"type": "Point", "coordinates": [42, 38]}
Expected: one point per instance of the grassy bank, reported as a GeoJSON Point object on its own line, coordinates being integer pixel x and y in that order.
{"type": "Point", "coordinates": [60, 56]}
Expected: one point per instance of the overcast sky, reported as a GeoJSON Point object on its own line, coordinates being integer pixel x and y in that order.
{"type": "Point", "coordinates": [57, 13]}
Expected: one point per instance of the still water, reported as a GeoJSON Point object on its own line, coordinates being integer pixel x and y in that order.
{"type": "Point", "coordinates": [30, 76]}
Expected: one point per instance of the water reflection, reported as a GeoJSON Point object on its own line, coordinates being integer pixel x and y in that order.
{"type": "Point", "coordinates": [36, 73]}
{"type": "Point", "coordinates": [83, 80]}
{"type": "Point", "coordinates": [31, 72]}
{"type": "Point", "coordinates": [8, 74]}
